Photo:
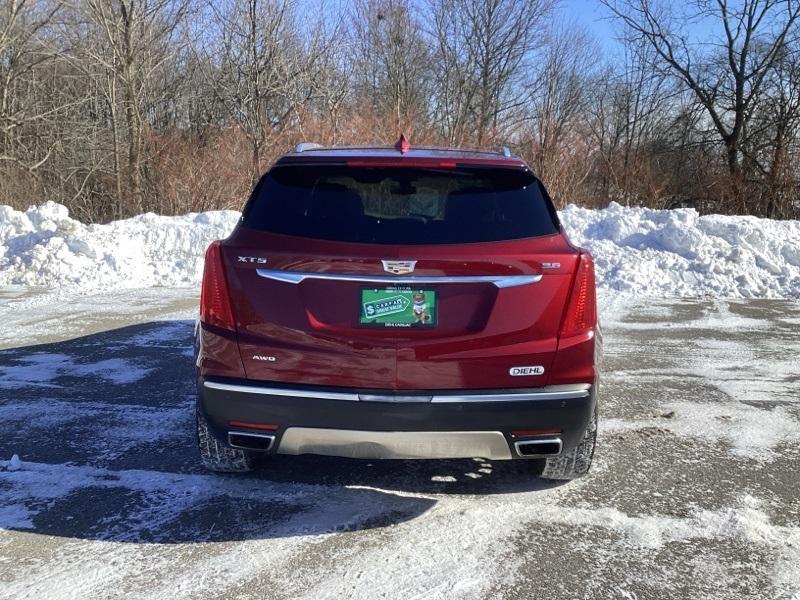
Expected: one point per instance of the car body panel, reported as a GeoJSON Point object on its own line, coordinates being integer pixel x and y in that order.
{"type": "Point", "coordinates": [311, 329]}
{"type": "Point", "coordinates": [295, 308]}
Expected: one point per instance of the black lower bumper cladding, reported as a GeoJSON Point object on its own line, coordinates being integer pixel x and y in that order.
{"type": "Point", "coordinates": [563, 408]}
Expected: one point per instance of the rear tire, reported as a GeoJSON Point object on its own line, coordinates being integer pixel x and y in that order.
{"type": "Point", "coordinates": [576, 462]}
{"type": "Point", "coordinates": [218, 457]}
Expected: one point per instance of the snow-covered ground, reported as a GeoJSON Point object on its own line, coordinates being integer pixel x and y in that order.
{"type": "Point", "coordinates": [640, 252]}
{"type": "Point", "coordinates": [693, 493]}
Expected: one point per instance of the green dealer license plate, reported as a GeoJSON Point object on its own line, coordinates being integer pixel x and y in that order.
{"type": "Point", "coordinates": [398, 307]}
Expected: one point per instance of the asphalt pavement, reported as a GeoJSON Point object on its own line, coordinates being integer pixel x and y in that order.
{"type": "Point", "coordinates": [694, 491]}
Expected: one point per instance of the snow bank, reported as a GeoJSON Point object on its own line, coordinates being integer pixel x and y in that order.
{"type": "Point", "coordinates": [678, 253]}
{"type": "Point", "coordinates": [638, 251]}
{"type": "Point", "coordinates": [43, 246]}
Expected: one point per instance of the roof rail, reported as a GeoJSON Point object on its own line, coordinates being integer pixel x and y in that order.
{"type": "Point", "coordinates": [504, 150]}
{"type": "Point", "coordinates": [303, 146]}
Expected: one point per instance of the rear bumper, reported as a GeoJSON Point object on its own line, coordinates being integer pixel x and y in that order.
{"type": "Point", "coordinates": [402, 424]}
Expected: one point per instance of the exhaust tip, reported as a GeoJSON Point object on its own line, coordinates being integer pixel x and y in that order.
{"type": "Point", "coordinates": [536, 448]}
{"type": "Point", "coordinates": [261, 442]}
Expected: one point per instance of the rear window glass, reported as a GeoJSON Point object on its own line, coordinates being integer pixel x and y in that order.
{"type": "Point", "coordinates": [400, 205]}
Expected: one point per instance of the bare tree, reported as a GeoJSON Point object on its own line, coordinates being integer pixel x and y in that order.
{"type": "Point", "coordinates": [331, 83]}
{"type": "Point", "coordinates": [24, 107]}
{"type": "Point", "coordinates": [259, 62]}
{"type": "Point", "coordinates": [129, 42]}
{"type": "Point", "coordinates": [725, 77]}
{"type": "Point", "coordinates": [392, 59]}
{"type": "Point", "coordinates": [114, 107]}
{"type": "Point", "coordinates": [772, 138]}
{"type": "Point", "coordinates": [631, 105]}
{"type": "Point", "coordinates": [559, 92]}
{"type": "Point", "coordinates": [481, 52]}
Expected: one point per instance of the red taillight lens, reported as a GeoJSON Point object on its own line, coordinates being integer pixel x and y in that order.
{"type": "Point", "coordinates": [251, 425]}
{"type": "Point", "coordinates": [535, 432]}
{"type": "Point", "coordinates": [215, 302]}
{"type": "Point", "coordinates": [581, 315]}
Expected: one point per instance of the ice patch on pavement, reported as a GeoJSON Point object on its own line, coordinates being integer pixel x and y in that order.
{"type": "Point", "coordinates": [753, 433]}
{"type": "Point", "coordinates": [15, 516]}
{"type": "Point", "coordinates": [166, 334]}
{"type": "Point", "coordinates": [43, 368]}
{"type": "Point", "coordinates": [663, 253]}
{"type": "Point", "coordinates": [124, 426]}
{"type": "Point", "coordinates": [746, 521]}
{"type": "Point", "coordinates": [33, 370]}
{"type": "Point", "coordinates": [113, 370]}
{"type": "Point", "coordinates": [716, 316]}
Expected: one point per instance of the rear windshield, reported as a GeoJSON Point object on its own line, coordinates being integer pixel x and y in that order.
{"type": "Point", "coordinates": [401, 205]}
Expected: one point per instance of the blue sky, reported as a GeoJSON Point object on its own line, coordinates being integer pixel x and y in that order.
{"type": "Point", "coordinates": [591, 14]}
{"type": "Point", "coordinates": [594, 17]}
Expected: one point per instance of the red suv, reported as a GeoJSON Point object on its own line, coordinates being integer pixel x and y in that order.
{"type": "Point", "coordinates": [398, 303]}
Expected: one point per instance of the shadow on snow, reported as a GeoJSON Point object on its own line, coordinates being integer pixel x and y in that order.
{"type": "Point", "coordinates": [104, 427]}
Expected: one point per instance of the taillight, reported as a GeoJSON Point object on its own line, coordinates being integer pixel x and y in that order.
{"type": "Point", "coordinates": [215, 302]}
{"type": "Point", "coordinates": [581, 314]}
{"type": "Point", "coordinates": [252, 425]}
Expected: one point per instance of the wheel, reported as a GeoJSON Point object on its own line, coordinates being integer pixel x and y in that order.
{"type": "Point", "coordinates": [577, 461]}
{"type": "Point", "coordinates": [218, 457]}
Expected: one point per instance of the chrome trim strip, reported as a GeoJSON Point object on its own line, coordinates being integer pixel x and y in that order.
{"type": "Point", "coordinates": [352, 443]}
{"type": "Point", "coordinates": [500, 281]}
{"type": "Point", "coordinates": [271, 391]}
{"type": "Point", "coordinates": [394, 398]}
{"type": "Point", "coordinates": [536, 442]}
{"type": "Point", "coordinates": [552, 392]}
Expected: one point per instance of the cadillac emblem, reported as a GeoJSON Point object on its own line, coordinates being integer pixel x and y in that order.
{"type": "Point", "coordinates": [399, 267]}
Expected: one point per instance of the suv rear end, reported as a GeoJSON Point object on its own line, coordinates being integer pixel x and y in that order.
{"type": "Point", "coordinates": [398, 304]}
